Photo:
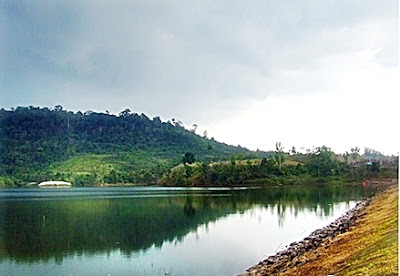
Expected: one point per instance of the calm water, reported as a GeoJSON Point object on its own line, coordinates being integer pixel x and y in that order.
{"type": "Point", "coordinates": [158, 231]}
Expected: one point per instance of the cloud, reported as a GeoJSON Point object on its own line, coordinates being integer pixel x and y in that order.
{"type": "Point", "coordinates": [198, 61]}
{"type": "Point", "coordinates": [362, 112]}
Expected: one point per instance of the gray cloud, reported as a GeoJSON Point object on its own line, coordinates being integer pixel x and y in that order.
{"type": "Point", "coordinates": [188, 59]}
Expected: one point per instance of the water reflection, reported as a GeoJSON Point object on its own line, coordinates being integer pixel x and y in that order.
{"type": "Point", "coordinates": [40, 230]}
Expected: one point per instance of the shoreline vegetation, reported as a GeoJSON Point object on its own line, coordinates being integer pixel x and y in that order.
{"type": "Point", "coordinates": [364, 241]}
{"type": "Point", "coordinates": [321, 166]}
{"type": "Point", "coordinates": [90, 148]}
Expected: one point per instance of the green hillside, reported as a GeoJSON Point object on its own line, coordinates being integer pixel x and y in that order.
{"type": "Point", "coordinates": [38, 144]}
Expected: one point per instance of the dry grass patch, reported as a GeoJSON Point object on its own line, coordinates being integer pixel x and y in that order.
{"type": "Point", "coordinates": [369, 248]}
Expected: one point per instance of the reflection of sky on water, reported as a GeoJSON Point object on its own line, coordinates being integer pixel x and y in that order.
{"type": "Point", "coordinates": [194, 235]}
{"type": "Point", "coordinates": [224, 247]}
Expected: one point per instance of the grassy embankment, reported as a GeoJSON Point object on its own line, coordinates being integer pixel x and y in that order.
{"type": "Point", "coordinates": [370, 248]}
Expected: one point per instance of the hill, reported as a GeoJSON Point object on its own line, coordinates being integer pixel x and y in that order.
{"type": "Point", "coordinates": [38, 144]}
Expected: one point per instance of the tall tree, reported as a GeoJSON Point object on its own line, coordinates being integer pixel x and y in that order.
{"type": "Point", "coordinates": [279, 154]}
{"type": "Point", "coordinates": [355, 152]}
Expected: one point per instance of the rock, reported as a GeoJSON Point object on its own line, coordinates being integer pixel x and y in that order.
{"type": "Point", "coordinates": [290, 256]}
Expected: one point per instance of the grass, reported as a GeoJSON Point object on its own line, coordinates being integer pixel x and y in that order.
{"type": "Point", "coordinates": [377, 249]}
{"type": "Point", "coordinates": [369, 248]}
{"type": "Point", "coordinates": [89, 169]}
{"type": "Point", "coordinates": [81, 164]}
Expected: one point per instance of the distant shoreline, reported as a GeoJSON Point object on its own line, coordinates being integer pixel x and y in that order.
{"type": "Point", "coordinates": [372, 182]}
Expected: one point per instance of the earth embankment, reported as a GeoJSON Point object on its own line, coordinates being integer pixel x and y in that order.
{"type": "Point", "coordinates": [364, 241]}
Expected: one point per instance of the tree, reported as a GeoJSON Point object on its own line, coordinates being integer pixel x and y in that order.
{"type": "Point", "coordinates": [194, 128]}
{"type": "Point", "coordinates": [157, 120]}
{"type": "Point", "coordinates": [188, 158]}
{"type": "Point", "coordinates": [368, 152]}
{"type": "Point", "coordinates": [355, 152]}
{"type": "Point", "coordinates": [264, 161]}
{"type": "Point", "coordinates": [58, 108]}
{"type": "Point", "coordinates": [179, 123]}
{"type": "Point", "coordinates": [375, 166]}
{"type": "Point", "coordinates": [125, 113]}
{"type": "Point", "coordinates": [321, 161]}
{"type": "Point", "coordinates": [346, 156]}
{"type": "Point", "coordinates": [279, 154]}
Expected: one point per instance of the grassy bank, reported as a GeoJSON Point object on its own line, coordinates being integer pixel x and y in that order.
{"type": "Point", "coordinates": [369, 248]}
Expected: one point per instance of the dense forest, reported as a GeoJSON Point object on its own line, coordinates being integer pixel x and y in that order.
{"type": "Point", "coordinates": [38, 144]}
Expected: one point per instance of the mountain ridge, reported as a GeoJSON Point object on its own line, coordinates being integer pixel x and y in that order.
{"type": "Point", "coordinates": [41, 143]}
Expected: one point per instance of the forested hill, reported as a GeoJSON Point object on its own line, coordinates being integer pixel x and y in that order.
{"type": "Point", "coordinates": [39, 144]}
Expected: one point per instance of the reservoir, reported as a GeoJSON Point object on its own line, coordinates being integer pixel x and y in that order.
{"type": "Point", "coordinates": [159, 231]}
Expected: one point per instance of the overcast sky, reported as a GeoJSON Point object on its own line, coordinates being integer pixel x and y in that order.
{"type": "Point", "coordinates": [303, 72]}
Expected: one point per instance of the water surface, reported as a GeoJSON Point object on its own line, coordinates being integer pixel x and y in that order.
{"type": "Point", "coordinates": [154, 231]}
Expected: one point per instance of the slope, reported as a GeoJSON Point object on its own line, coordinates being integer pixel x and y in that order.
{"type": "Point", "coordinates": [39, 144]}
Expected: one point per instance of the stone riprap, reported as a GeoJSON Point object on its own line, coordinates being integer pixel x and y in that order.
{"type": "Point", "coordinates": [293, 255]}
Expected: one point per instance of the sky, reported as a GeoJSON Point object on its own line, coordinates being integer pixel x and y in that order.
{"type": "Point", "coordinates": [306, 73]}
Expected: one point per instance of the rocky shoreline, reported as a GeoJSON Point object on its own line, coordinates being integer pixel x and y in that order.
{"type": "Point", "coordinates": [292, 256]}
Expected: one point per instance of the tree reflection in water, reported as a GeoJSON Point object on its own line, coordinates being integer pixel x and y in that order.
{"type": "Point", "coordinates": [39, 230]}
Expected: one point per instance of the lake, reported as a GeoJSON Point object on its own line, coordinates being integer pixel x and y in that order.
{"type": "Point", "coordinates": [158, 231]}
